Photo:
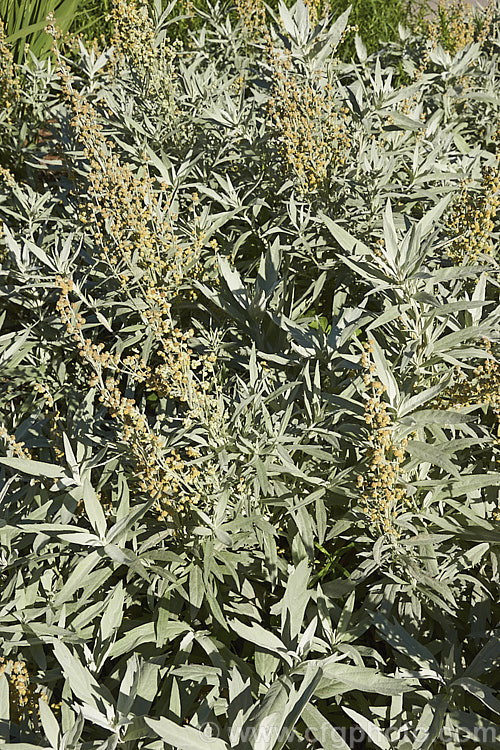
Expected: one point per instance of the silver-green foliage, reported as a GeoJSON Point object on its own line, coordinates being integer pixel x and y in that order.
{"type": "Point", "coordinates": [275, 613]}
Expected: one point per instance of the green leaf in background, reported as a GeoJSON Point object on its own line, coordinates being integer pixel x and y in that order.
{"type": "Point", "coordinates": [26, 20]}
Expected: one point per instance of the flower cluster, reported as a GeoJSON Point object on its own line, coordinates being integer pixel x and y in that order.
{"type": "Point", "coordinates": [128, 222]}
{"type": "Point", "coordinates": [134, 44]}
{"type": "Point", "coordinates": [162, 473]}
{"type": "Point", "coordinates": [23, 694]}
{"type": "Point", "coordinates": [317, 9]}
{"type": "Point", "coordinates": [16, 448]}
{"type": "Point", "coordinates": [125, 218]}
{"type": "Point", "coordinates": [252, 14]}
{"type": "Point", "coordinates": [146, 447]}
{"type": "Point", "coordinates": [7, 178]}
{"type": "Point", "coordinates": [312, 130]}
{"type": "Point", "coordinates": [133, 31]}
{"type": "Point", "coordinates": [482, 386]}
{"type": "Point", "coordinates": [382, 494]}
{"type": "Point", "coordinates": [55, 419]}
{"type": "Point", "coordinates": [471, 220]}
{"type": "Point", "coordinates": [457, 25]}
{"type": "Point", "coordinates": [175, 375]}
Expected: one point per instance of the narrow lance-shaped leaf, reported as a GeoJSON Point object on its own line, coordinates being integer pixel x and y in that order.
{"type": "Point", "coordinates": [184, 737]}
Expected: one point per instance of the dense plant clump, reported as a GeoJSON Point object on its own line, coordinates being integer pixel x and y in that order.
{"type": "Point", "coordinates": [94, 20]}
{"type": "Point", "coordinates": [250, 384]}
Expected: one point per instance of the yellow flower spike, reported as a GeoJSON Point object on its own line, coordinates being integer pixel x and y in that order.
{"type": "Point", "coordinates": [381, 495]}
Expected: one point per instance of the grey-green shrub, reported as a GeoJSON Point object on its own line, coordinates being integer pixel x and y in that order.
{"type": "Point", "coordinates": [250, 458]}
